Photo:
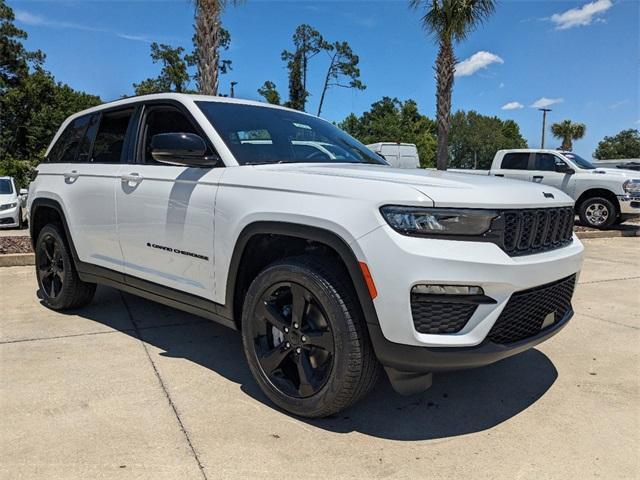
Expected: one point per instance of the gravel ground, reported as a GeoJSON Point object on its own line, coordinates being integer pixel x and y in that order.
{"type": "Point", "coordinates": [15, 245]}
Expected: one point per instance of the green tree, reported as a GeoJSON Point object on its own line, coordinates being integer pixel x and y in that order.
{"type": "Point", "coordinates": [567, 131]}
{"type": "Point", "coordinates": [269, 92]}
{"type": "Point", "coordinates": [209, 38]}
{"type": "Point", "coordinates": [174, 76]}
{"type": "Point", "coordinates": [625, 144]}
{"type": "Point", "coordinates": [449, 21]}
{"type": "Point", "coordinates": [308, 43]}
{"type": "Point", "coordinates": [475, 138]}
{"type": "Point", "coordinates": [32, 103]}
{"type": "Point", "coordinates": [390, 120]}
{"type": "Point", "coordinates": [343, 70]}
{"type": "Point", "coordinates": [297, 94]}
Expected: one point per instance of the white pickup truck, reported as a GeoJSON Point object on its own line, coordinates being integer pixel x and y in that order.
{"type": "Point", "coordinates": [604, 196]}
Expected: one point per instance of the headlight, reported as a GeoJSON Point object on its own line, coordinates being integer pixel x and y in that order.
{"type": "Point", "coordinates": [7, 206]}
{"type": "Point", "coordinates": [631, 186]}
{"type": "Point", "coordinates": [438, 221]}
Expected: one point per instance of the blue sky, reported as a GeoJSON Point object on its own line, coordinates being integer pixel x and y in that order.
{"type": "Point", "coordinates": [579, 57]}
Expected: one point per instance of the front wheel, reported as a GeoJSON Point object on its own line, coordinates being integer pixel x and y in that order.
{"type": "Point", "coordinates": [305, 339]}
{"type": "Point", "coordinates": [597, 212]}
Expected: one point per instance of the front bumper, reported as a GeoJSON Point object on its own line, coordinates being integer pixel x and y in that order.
{"type": "Point", "coordinates": [10, 217]}
{"type": "Point", "coordinates": [629, 205]}
{"type": "Point", "coordinates": [398, 262]}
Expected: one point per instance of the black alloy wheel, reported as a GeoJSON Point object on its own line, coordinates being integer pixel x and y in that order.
{"type": "Point", "coordinates": [293, 340]}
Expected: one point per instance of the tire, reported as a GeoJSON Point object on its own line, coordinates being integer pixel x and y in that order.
{"type": "Point", "coordinates": [337, 341]}
{"type": "Point", "coordinates": [60, 286]}
{"type": "Point", "coordinates": [19, 222]}
{"type": "Point", "coordinates": [597, 212]}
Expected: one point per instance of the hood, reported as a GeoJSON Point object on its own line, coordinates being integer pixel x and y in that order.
{"type": "Point", "coordinates": [8, 198]}
{"type": "Point", "coordinates": [615, 172]}
{"type": "Point", "coordinates": [445, 189]}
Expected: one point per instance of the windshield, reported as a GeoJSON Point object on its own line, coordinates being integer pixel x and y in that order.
{"type": "Point", "coordinates": [258, 135]}
{"type": "Point", "coordinates": [578, 160]}
{"type": "Point", "coordinates": [6, 187]}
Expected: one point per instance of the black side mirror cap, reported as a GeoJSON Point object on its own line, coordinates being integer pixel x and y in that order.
{"type": "Point", "coordinates": [178, 148]}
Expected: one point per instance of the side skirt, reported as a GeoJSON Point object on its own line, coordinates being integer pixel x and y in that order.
{"type": "Point", "coordinates": [152, 291]}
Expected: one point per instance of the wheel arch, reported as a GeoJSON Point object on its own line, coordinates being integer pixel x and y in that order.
{"type": "Point", "coordinates": [598, 192]}
{"type": "Point", "coordinates": [237, 281]}
{"type": "Point", "coordinates": [45, 211]}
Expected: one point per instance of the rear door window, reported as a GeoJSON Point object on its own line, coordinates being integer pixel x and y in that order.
{"type": "Point", "coordinates": [66, 147]}
{"type": "Point", "coordinates": [111, 135]}
{"type": "Point", "coordinates": [515, 161]}
{"type": "Point", "coordinates": [84, 153]}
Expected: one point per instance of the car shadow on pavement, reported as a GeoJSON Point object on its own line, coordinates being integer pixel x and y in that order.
{"type": "Point", "coordinates": [458, 403]}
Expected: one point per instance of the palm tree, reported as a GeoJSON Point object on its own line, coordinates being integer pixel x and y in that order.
{"type": "Point", "coordinates": [449, 21]}
{"type": "Point", "coordinates": [209, 33]}
{"type": "Point", "coordinates": [568, 131]}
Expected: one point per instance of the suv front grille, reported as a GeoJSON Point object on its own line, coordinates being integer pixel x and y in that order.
{"type": "Point", "coordinates": [537, 230]}
{"type": "Point", "coordinates": [526, 311]}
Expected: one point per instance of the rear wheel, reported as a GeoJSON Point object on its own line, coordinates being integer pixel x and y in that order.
{"type": "Point", "coordinates": [597, 212]}
{"type": "Point", "coordinates": [60, 286]}
{"type": "Point", "coordinates": [305, 339]}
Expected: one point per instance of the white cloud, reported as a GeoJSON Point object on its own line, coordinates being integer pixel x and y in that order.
{"type": "Point", "coordinates": [501, 85]}
{"type": "Point", "coordinates": [512, 106]}
{"type": "Point", "coordinates": [544, 102]}
{"type": "Point", "coordinates": [475, 62]}
{"type": "Point", "coordinates": [615, 105]}
{"type": "Point", "coordinates": [579, 17]}
{"type": "Point", "coordinates": [40, 21]}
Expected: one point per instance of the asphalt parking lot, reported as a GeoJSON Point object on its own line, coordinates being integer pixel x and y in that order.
{"type": "Point", "coordinates": [126, 388]}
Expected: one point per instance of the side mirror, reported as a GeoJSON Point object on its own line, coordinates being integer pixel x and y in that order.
{"type": "Point", "coordinates": [24, 191]}
{"type": "Point", "coordinates": [564, 168]}
{"type": "Point", "coordinates": [186, 149]}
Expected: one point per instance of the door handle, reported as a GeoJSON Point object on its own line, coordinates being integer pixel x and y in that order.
{"type": "Point", "coordinates": [72, 175]}
{"type": "Point", "coordinates": [499, 175]}
{"type": "Point", "coordinates": [537, 178]}
{"type": "Point", "coordinates": [131, 178]}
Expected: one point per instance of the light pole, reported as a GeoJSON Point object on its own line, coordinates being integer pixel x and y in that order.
{"type": "Point", "coordinates": [544, 122]}
{"type": "Point", "coordinates": [233, 84]}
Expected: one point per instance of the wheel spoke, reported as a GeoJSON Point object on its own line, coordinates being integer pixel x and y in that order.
{"type": "Point", "coordinates": [272, 360]}
{"type": "Point", "coordinates": [52, 293]}
{"type": "Point", "coordinates": [272, 315]}
{"type": "Point", "coordinates": [321, 339]}
{"type": "Point", "coordinates": [298, 303]}
{"type": "Point", "coordinates": [49, 254]}
{"type": "Point", "coordinates": [305, 374]}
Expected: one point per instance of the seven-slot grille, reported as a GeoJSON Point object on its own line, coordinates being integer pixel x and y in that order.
{"type": "Point", "coordinates": [537, 230]}
{"type": "Point", "coordinates": [526, 312]}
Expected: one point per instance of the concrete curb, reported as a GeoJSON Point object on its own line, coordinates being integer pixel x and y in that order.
{"type": "Point", "coordinates": [608, 234]}
{"type": "Point", "coordinates": [17, 259]}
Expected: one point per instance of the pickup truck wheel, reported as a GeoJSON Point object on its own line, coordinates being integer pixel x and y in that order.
{"type": "Point", "coordinates": [60, 286]}
{"type": "Point", "coordinates": [305, 339]}
{"type": "Point", "coordinates": [597, 212]}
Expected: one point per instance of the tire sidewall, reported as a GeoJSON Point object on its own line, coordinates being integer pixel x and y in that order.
{"type": "Point", "coordinates": [340, 322]}
{"type": "Point", "coordinates": [607, 203]}
{"type": "Point", "coordinates": [51, 230]}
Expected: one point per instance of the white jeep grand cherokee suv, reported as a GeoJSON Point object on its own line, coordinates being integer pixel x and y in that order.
{"type": "Point", "coordinates": [330, 265]}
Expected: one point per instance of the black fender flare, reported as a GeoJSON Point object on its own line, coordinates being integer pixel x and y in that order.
{"type": "Point", "coordinates": [305, 232]}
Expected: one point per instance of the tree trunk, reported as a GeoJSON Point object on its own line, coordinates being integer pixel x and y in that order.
{"type": "Point", "coordinates": [326, 84]}
{"type": "Point", "coordinates": [567, 144]}
{"type": "Point", "coordinates": [445, 67]}
{"type": "Point", "coordinates": [207, 43]}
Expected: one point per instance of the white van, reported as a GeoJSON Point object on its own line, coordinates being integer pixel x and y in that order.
{"type": "Point", "coordinates": [400, 155]}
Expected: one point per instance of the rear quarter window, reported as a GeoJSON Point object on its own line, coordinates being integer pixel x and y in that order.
{"type": "Point", "coordinates": [65, 150]}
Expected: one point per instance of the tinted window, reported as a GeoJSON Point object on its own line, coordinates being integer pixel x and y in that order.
{"type": "Point", "coordinates": [65, 149]}
{"type": "Point", "coordinates": [258, 135]}
{"type": "Point", "coordinates": [546, 162]}
{"type": "Point", "coordinates": [581, 162]}
{"type": "Point", "coordinates": [84, 153]}
{"type": "Point", "coordinates": [516, 161]}
{"type": "Point", "coordinates": [164, 120]}
{"type": "Point", "coordinates": [6, 187]}
{"type": "Point", "coordinates": [109, 141]}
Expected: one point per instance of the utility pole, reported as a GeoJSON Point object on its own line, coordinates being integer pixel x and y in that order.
{"type": "Point", "coordinates": [233, 84]}
{"type": "Point", "coordinates": [544, 122]}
